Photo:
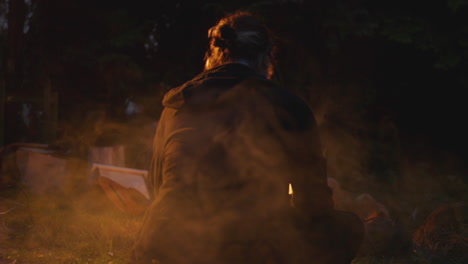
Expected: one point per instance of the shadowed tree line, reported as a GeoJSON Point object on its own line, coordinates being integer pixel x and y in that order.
{"type": "Point", "coordinates": [390, 72]}
{"type": "Point", "coordinates": [110, 50]}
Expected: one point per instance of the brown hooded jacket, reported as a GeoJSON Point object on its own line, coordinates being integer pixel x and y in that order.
{"type": "Point", "coordinates": [227, 145]}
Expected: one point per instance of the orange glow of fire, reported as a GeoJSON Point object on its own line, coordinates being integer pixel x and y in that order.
{"type": "Point", "coordinates": [372, 215]}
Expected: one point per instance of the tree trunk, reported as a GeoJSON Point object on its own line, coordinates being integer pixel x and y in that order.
{"type": "Point", "coordinates": [15, 41]}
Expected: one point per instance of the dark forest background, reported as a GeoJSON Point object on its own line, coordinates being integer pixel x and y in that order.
{"type": "Point", "coordinates": [386, 80]}
{"type": "Point", "coordinates": [402, 60]}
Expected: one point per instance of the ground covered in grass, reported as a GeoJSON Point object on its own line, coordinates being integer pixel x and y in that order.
{"type": "Point", "coordinates": [80, 224]}
{"type": "Point", "coordinates": [58, 228]}
{"type": "Point", "coordinates": [76, 224]}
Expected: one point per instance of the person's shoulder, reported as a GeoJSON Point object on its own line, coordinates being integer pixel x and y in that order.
{"type": "Point", "coordinates": [293, 112]}
{"type": "Point", "coordinates": [278, 94]}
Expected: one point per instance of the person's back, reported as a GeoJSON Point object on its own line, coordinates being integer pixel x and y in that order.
{"type": "Point", "coordinates": [228, 144]}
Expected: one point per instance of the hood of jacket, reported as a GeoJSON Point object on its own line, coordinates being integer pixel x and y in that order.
{"type": "Point", "coordinates": [204, 90]}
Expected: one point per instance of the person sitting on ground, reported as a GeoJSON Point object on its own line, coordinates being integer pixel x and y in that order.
{"type": "Point", "coordinates": [228, 144]}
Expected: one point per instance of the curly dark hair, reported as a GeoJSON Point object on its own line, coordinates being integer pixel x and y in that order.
{"type": "Point", "coordinates": [241, 36]}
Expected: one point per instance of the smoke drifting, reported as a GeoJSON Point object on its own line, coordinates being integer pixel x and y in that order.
{"type": "Point", "coordinates": [52, 209]}
{"type": "Point", "coordinates": [369, 151]}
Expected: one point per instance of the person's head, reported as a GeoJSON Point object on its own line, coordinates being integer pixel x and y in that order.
{"type": "Point", "coordinates": [240, 37]}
